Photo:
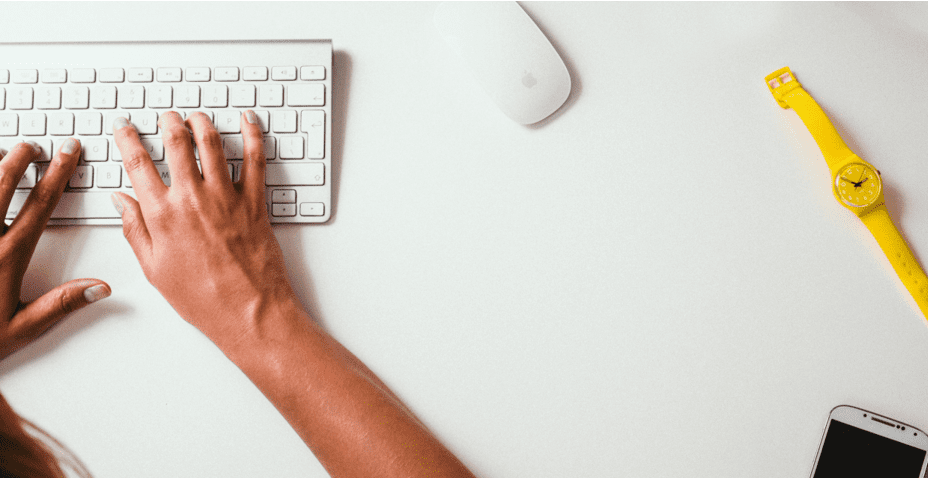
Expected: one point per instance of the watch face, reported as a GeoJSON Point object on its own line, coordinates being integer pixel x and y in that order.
{"type": "Point", "coordinates": [858, 185]}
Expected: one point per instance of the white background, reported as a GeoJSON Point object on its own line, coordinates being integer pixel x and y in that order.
{"type": "Point", "coordinates": [655, 282]}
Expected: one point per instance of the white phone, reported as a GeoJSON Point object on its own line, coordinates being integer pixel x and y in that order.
{"type": "Point", "coordinates": [863, 444]}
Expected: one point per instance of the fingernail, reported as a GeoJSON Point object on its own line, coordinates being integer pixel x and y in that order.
{"type": "Point", "coordinates": [117, 203]}
{"type": "Point", "coordinates": [35, 146]}
{"type": "Point", "coordinates": [120, 123]}
{"type": "Point", "coordinates": [97, 292]}
{"type": "Point", "coordinates": [70, 146]}
{"type": "Point", "coordinates": [250, 117]}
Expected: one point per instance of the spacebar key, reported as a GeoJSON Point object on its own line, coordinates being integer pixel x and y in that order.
{"type": "Point", "coordinates": [85, 206]}
{"type": "Point", "coordinates": [306, 174]}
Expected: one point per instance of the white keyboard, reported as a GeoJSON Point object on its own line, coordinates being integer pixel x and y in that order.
{"type": "Point", "coordinates": [53, 91]}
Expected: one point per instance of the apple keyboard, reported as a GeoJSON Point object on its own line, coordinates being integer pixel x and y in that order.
{"type": "Point", "coordinates": [53, 91]}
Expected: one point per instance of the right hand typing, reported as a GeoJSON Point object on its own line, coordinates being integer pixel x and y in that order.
{"type": "Point", "coordinates": [204, 242]}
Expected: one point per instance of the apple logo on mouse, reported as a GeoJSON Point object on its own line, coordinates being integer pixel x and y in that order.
{"type": "Point", "coordinates": [528, 80]}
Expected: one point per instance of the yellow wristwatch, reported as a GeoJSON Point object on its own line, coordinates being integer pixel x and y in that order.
{"type": "Point", "coordinates": [856, 183]}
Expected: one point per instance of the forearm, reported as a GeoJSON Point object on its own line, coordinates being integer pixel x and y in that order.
{"type": "Point", "coordinates": [350, 420]}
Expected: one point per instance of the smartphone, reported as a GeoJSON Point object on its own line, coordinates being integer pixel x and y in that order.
{"type": "Point", "coordinates": [863, 444]}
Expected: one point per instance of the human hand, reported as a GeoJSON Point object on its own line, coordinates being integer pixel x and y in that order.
{"type": "Point", "coordinates": [22, 322]}
{"type": "Point", "coordinates": [204, 242]}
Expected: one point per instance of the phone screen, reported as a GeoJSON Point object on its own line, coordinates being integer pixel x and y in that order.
{"type": "Point", "coordinates": [850, 451]}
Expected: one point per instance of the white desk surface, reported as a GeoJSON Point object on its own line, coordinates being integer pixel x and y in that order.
{"type": "Point", "coordinates": [656, 282]}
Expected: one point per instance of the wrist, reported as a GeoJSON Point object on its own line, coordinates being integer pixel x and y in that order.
{"type": "Point", "coordinates": [263, 325]}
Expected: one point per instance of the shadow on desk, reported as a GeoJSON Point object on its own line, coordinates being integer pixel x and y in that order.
{"type": "Point", "coordinates": [340, 88]}
{"type": "Point", "coordinates": [72, 325]}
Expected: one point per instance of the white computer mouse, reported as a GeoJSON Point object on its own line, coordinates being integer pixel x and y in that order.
{"type": "Point", "coordinates": [509, 56]}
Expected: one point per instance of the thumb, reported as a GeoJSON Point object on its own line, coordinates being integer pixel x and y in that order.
{"type": "Point", "coordinates": [36, 317]}
{"type": "Point", "coordinates": [133, 225]}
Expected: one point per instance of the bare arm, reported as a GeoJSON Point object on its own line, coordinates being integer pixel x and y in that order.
{"type": "Point", "coordinates": [207, 245]}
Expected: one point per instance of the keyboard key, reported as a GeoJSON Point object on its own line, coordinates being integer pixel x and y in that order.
{"type": "Point", "coordinates": [25, 76]}
{"type": "Point", "coordinates": [306, 95]}
{"type": "Point", "coordinates": [76, 97]}
{"type": "Point", "coordinates": [61, 124]}
{"type": "Point", "coordinates": [82, 178]}
{"type": "Point", "coordinates": [271, 95]}
{"type": "Point", "coordinates": [94, 149]}
{"type": "Point", "coordinates": [2, 98]}
{"type": "Point", "coordinates": [28, 180]}
{"type": "Point", "coordinates": [20, 98]}
{"type": "Point", "coordinates": [270, 147]}
{"type": "Point", "coordinates": [89, 123]}
{"type": "Point", "coordinates": [226, 73]}
{"type": "Point", "coordinates": [283, 210]}
{"type": "Point", "coordinates": [83, 75]}
{"type": "Point", "coordinates": [112, 75]}
{"type": "Point", "coordinates": [109, 176]}
{"type": "Point", "coordinates": [312, 73]}
{"type": "Point", "coordinates": [48, 98]}
{"type": "Point", "coordinates": [283, 73]}
{"type": "Point", "coordinates": [4, 77]}
{"type": "Point", "coordinates": [229, 121]}
{"type": "Point", "coordinates": [215, 96]}
{"type": "Point", "coordinates": [187, 96]}
{"type": "Point", "coordinates": [312, 209]}
{"type": "Point", "coordinates": [254, 73]}
{"type": "Point", "coordinates": [294, 174]}
{"type": "Point", "coordinates": [169, 75]}
{"type": "Point", "coordinates": [242, 96]}
{"type": "Point", "coordinates": [165, 173]}
{"type": "Point", "coordinates": [56, 75]}
{"type": "Point", "coordinates": [72, 205]}
{"type": "Point", "coordinates": [131, 96]}
{"type": "Point", "coordinates": [313, 122]}
{"type": "Point", "coordinates": [9, 124]}
{"type": "Point", "coordinates": [33, 124]}
{"type": "Point", "coordinates": [103, 97]}
{"type": "Point", "coordinates": [146, 121]}
{"type": "Point", "coordinates": [139, 75]}
{"type": "Point", "coordinates": [264, 120]}
{"type": "Point", "coordinates": [291, 147]}
{"type": "Point", "coordinates": [160, 96]}
{"type": "Point", "coordinates": [284, 122]}
{"type": "Point", "coordinates": [200, 74]}
{"type": "Point", "coordinates": [283, 196]}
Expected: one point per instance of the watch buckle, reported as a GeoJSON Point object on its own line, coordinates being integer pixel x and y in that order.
{"type": "Point", "coordinates": [780, 83]}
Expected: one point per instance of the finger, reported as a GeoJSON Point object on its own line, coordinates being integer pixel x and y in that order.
{"type": "Point", "coordinates": [12, 168]}
{"type": "Point", "coordinates": [209, 144]}
{"type": "Point", "coordinates": [133, 226]}
{"type": "Point", "coordinates": [33, 217]}
{"type": "Point", "coordinates": [41, 314]}
{"type": "Point", "coordinates": [254, 163]}
{"type": "Point", "coordinates": [141, 170]}
{"type": "Point", "coordinates": [178, 149]}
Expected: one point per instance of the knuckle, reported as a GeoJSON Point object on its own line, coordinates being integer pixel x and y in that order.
{"type": "Point", "coordinates": [63, 303]}
{"type": "Point", "coordinates": [135, 160]}
{"type": "Point", "coordinates": [175, 137]}
{"type": "Point", "coordinates": [210, 139]}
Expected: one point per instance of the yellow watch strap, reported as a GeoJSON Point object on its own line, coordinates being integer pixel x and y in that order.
{"type": "Point", "coordinates": [789, 93]}
{"type": "Point", "coordinates": [900, 256]}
